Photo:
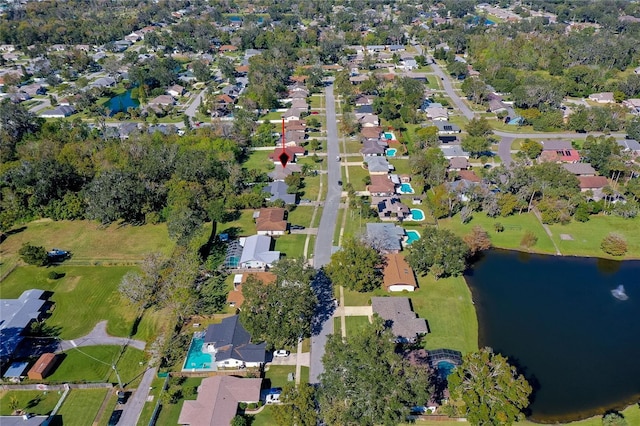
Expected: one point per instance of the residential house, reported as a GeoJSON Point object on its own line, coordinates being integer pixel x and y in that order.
{"type": "Point", "coordinates": [368, 120]}
{"type": "Point", "coordinates": [162, 100]}
{"type": "Point", "coordinates": [446, 128]}
{"type": "Point", "coordinates": [357, 79]}
{"type": "Point", "coordinates": [43, 367]}
{"type": "Point", "coordinates": [381, 186]}
{"type": "Point", "coordinates": [378, 165]}
{"type": "Point", "coordinates": [176, 91]}
{"type": "Point", "coordinates": [375, 48]}
{"type": "Point", "coordinates": [396, 48]}
{"type": "Point", "coordinates": [18, 97]}
{"type": "Point", "coordinates": [458, 163]}
{"type": "Point", "coordinates": [34, 89]}
{"type": "Point", "coordinates": [24, 420]}
{"type": "Point", "coordinates": [633, 105]}
{"type": "Point", "coordinates": [271, 221]}
{"type": "Point", "coordinates": [373, 147]}
{"type": "Point", "coordinates": [227, 48]}
{"type": "Point", "coordinates": [385, 237]}
{"type": "Point", "coordinates": [397, 274]}
{"type": "Point", "coordinates": [218, 399]}
{"type": "Point", "coordinates": [390, 208]}
{"type": "Point", "coordinates": [278, 191]}
{"type": "Point", "coordinates": [364, 100]}
{"type": "Point", "coordinates": [371, 132]}
{"type": "Point", "coordinates": [631, 146]}
{"type": "Point", "coordinates": [437, 113]}
{"type": "Point", "coordinates": [469, 176]}
{"type": "Point", "coordinates": [295, 125]}
{"type": "Point", "coordinates": [231, 345]}
{"type": "Point", "coordinates": [580, 169]}
{"type": "Point", "coordinates": [223, 104]}
{"type": "Point", "coordinates": [292, 114]}
{"type": "Point", "coordinates": [60, 111]}
{"type": "Point", "coordinates": [294, 137]}
{"type": "Point", "coordinates": [408, 64]}
{"type": "Point", "coordinates": [559, 151]}
{"type": "Point", "coordinates": [257, 253]}
{"type": "Point", "coordinates": [103, 82]}
{"type": "Point", "coordinates": [292, 153]}
{"type": "Point", "coordinates": [300, 104]}
{"type": "Point", "coordinates": [452, 151]}
{"type": "Point", "coordinates": [363, 110]}
{"type": "Point", "coordinates": [279, 173]}
{"type": "Point", "coordinates": [398, 315]}
{"type": "Point", "coordinates": [235, 298]}
{"type": "Point", "coordinates": [16, 316]}
{"type": "Point", "coordinates": [602, 98]}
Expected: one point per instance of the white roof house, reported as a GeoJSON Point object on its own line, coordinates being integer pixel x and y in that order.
{"type": "Point", "coordinates": [257, 253]}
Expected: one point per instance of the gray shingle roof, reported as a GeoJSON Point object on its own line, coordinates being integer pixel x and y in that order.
{"type": "Point", "coordinates": [398, 315]}
{"type": "Point", "coordinates": [258, 248]}
{"type": "Point", "coordinates": [15, 316]}
{"type": "Point", "coordinates": [231, 340]}
{"type": "Point", "coordinates": [385, 236]}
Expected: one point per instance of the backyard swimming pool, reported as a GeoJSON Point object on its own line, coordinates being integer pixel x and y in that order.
{"type": "Point", "coordinates": [445, 368]}
{"type": "Point", "coordinates": [389, 136]}
{"type": "Point", "coordinates": [391, 152]}
{"type": "Point", "coordinates": [412, 236]}
{"type": "Point", "coordinates": [196, 359]}
{"type": "Point", "coordinates": [417, 215]}
{"type": "Point", "coordinates": [406, 188]}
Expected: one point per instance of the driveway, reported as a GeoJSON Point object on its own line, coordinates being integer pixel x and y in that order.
{"type": "Point", "coordinates": [292, 359]}
{"type": "Point", "coordinates": [192, 109]}
{"type": "Point", "coordinates": [99, 336]}
{"type": "Point", "coordinates": [323, 322]}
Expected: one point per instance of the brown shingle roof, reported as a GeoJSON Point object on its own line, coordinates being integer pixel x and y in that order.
{"type": "Point", "coordinates": [381, 184]}
{"type": "Point", "coordinates": [469, 175]}
{"type": "Point", "coordinates": [271, 219]}
{"type": "Point", "coordinates": [592, 182]}
{"type": "Point", "coordinates": [397, 271]}
{"type": "Point", "coordinates": [235, 296]}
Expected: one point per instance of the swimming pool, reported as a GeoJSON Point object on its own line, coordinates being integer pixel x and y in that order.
{"type": "Point", "coordinates": [417, 215]}
{"type": "Point", "coordinates": [389, 136]}
{"type": "Point", "coordinates": [196, 359]}
{"type": "Point", "coordinates": [406, 188]}
{"type": "Point", "coordinates": [412, 236]}
{"type": "Point", "coordinates": [444, 369]}
{"type": "Point", "coordinates": [391, 152]}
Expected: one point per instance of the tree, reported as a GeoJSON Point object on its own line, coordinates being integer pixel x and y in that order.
{"type": "Point", "coordinates": [487, 390]}
{"type": "Point", "coordinates": [297, 406]}
{"type": "Point", "coordinates": [532, 149]}
{"type": "Point", "coordinates": [212, 296]}
{"type": "Point", "coordinates": [431, 165]}
{"type": "Point", "coordinates": [478, 240]}
{"type": "Point", "coordinates": [141, 289]}
{"type": "Point", "coordinates": [239, 421]}
{"type": "Point", "coordinates": [280, 312]}
{"type": "Point", "coordinates": [355, 266]}
{"type": "Point", "coordinates": [613, 419]}
{"type": "Point", "coordinates": [201, 71]}
{"type": "Point", "coordinates": [33, 255]}
{"type": "Point", "coordinates": [366, 382]}
{"type": "Point", "coordinates": [598, 152]}
{"type": "Point", "coordinates": [633, 128]}
{"type": "Point", "coordinates": [178, 292]}
{"type": "Point", "coordinates": [439, 251]}
{"type": "Point", "coordinates": [474, 89]}
{"type": "Point", "coordinates": [479, 127]}
{"type": "Point", "coordinates": [529, 239]}
{"type": "Point", "coordinates": [614, 244]}
{"type": "Point", "coordinates": [475, 145]}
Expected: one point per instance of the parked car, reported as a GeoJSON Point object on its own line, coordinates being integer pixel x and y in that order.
{"type": "Point", "coordinates": [281, 353]}
{"type": "Point", "coordinates": [296, 227]}
{"type": "Point", "coordinates": [115, 418]}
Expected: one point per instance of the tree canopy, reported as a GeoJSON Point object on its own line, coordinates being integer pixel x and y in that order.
{"type": "Point", "coordinates": [438, 251]}
{"type": "Point", "coordinates": [355, 389]}
{"type": "Point", "coordinates": [355, 266]}
{"type": "Point", "coordinates": [487, 390]}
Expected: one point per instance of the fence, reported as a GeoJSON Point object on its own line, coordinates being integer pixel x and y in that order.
{"type": "Point", "coordinates": [43, 387]}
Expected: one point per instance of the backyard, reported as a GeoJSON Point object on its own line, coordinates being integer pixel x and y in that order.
{"type": "Point", "coordinates": [35, 402]}
{"type": "Point", "coordinates": [80, 407]}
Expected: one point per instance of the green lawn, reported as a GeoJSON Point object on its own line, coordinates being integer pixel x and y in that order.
{"type": "Point", "coordinates": [149, 406]}
{"type": "Point", "coordinates": [82, 298]}
{"type": "Point", "coordinates": [445, 304]}
{"type": "Point", "coordinates": [170, 413]}
{"type": "Point", "coordinates": [243, 226]}
{"type": "Point", "coordinates": [93, 364]}
{"type": "Point", "coordinates": [89, 242]}
{"type": "Point", "coordinates": [357, 174]}
{"type": "Point", "coordinates": [304, 374]}
{"type": "Point", "coordinates": [353, 146]}
{"type": "Point", "coordinates": [259, 160]}
{"type": "Point", "coordinates": [81, 406]}
{"type": "Point", "coordinates": [311, 187]}
{"type": "Point", "coordinates": [514, 228]}
{"type": "Point", "coordinates": [587, 236]}
{"type": "Point", "coordinates": [337, 326]}
{"type": "Point", "coordinates": [402, 166]}
{"type": "Point", "coordinates": [35, 402]}
{"type": "Point", "coordinates": [316, 101]}
{"type": "Point", "coordinates": [292, 245]}
{"type": "Point", "coordinates": [355, 324]}
{"type": "Point", "coordinates": [111, 405]}
{"type": "Point", "coordinates": [301, 215]}
{"type": "Point", "coordinates": [278, 375]}
{"type": "Point", "coordinates": [264, 417]}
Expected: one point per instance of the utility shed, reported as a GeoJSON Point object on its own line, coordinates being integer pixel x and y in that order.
{"type": "Point", "coordinates": [43, 366]}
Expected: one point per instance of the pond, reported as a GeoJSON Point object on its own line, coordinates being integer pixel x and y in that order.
{"type": "Point", "coordinates": [121, 103]}
{"type": "Point", "coordinates": [557, 319]}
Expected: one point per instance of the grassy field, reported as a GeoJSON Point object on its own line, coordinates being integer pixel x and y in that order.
{"type": "Point", "coordinates": [83, 297]}
{"type": "Point", "coordinates": [243, 226]}
{"type": "Point", "coordinates": [81, 407]}
{"type": "Point", "coordinates": [446, 305]}
{"type": "Point", "coordinates": [259, 160]}
{"type": "Point", "coordinates": [514, 228]}
{"type": "Point", "coordinates": [264, 417]}
{"type": "Point", "coordinates": [355, 324]}
{"type": "Point", "coordinates": [402, 166]}
{"type": "Point", "coordinates": [88, 242]}
{"type": "Point", "coordinates": [337, 326]}
{"type": "Point", "coordinates": [111, 405]}
{"type": "Point", "coordinates": [587, 236]}
{"type": "Point", "coordinates": [291, 245]}
{"type": "Point", "coordinates": [277, 375]}
{"type": "Point", "coordinates": [357, 174]}
{"type": "Point", "coordinates": [169, 413]}
{"type": "Point", "coordinates": [35, 402]}
{"type": "Point", "coordinates": [301, 215]}
{"type": "Point", "coordinates": [93, 364]}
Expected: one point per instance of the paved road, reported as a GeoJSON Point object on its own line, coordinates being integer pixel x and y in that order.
{"type": "Point", "coordinates": [504, 150]}
{"type": "Point", "coordinates": [558, 135]}
{"type": "Point", "coordinates": [323, 323]}
{"type": "Point", "coordinates": [99, 336]}
{"type": "Point", "coordinates": [192, 109]}
{"type": "Point", "coordinates": [133, 408]}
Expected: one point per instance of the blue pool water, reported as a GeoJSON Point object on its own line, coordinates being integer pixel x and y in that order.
{"type": "Point", "coordinates": [389, 136]}
{"type": "Point", "coordinates": [196, 359]}
{"type": "Point", "coordinates": [444, 369]}
{"type": "Point", "coordinates": [391, 152]}
{"type": "Point", "coordinates": [412, 236]}
{"type": "Point", "coordinates": [406, 188]}
{"type": "Point", "coordinates": [417, 214]}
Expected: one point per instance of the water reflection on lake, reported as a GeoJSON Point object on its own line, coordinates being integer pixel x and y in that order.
{"type": "Point", "coordinates": [121, 103]}
{"type": "Point", "coordinates": [556, 317]}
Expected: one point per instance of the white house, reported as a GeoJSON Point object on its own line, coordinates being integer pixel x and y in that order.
{"type": "Point", "coordinates": [257, 253]}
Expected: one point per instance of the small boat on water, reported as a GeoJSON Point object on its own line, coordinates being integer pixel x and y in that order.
{"type": "Point", "coordinates": [619, 293]}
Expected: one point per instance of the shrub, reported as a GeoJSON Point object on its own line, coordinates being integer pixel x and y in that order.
{"type": "Point", "coordinates": [33, 255]}
{"type": "Point", "coordinates": [528, 240]}
{"type": "Point", "coordinates": [498, 227]}
{"type": "Point", "coordinates": [614, 244]}
{"type": "Point", "coordinates": [243, 405]}
{"type": "Point", "coordinates": [54, 275]}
